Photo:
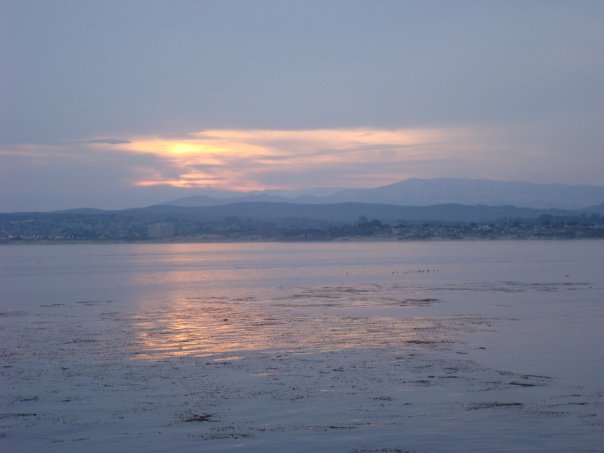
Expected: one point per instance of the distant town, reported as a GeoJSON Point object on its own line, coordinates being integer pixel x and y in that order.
{"type": "Point", "coordinates": [206, 225]}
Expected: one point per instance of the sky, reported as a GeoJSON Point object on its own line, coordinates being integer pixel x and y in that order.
{"type": "Point", "coordinates": [114, 104]}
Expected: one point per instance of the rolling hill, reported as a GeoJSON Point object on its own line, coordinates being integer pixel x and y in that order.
{"type": "Point", "coordinates": [426, 192]}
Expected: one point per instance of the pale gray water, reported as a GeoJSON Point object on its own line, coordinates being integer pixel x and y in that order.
{"type": "Point", "coordinates": [437, 346]}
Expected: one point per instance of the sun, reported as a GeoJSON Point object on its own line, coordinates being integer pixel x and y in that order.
{"type": "Point", "coordinates": [183, 148]}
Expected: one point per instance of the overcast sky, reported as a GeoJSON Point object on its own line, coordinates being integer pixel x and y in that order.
{"type": "Point", "coordinates": [125, 103]}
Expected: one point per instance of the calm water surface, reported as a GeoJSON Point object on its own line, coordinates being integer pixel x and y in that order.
{"type": "Point", "coordinates": [30, 274]}
{"type": "Point", "coordinates": [533, 309]}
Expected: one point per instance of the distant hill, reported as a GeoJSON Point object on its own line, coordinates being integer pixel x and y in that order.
{"type": "Point", "coordinates": [598, 209]}
{"type": "Point", "coordinates": [345, 212]}
{"type": "Point", "coordinates": [428, 192]}
{"type": "Point", "coordinates": [204, 200]}
{"type": "Point", "coordinates": [423, 192]}
{"type": "Point", "coordinates": [330, 213]}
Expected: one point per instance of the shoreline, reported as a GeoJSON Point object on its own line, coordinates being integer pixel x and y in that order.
{"type": "Point", "coordinates": [282, 241]}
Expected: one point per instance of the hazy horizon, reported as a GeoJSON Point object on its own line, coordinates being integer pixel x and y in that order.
{"type": "Point", "coordinates": [412, 192]}
{"type": "Point", "coordinates": [120, 104]}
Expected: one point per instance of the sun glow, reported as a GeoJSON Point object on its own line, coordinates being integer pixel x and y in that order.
{"type": "Point", "coordinates": [228, 158]}
{"type": "Point", "coordinates": [185, 148]}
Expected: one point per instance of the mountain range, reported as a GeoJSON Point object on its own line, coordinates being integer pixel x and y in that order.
{"type": "Point", "coordinates": [341, 212]}
{"type": "Point", "coordinates": [411, 209]}
{"type": "Point", "coordinates": [422, 192]}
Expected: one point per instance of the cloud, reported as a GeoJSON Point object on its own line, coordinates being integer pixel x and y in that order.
{"type": "Point", "coordinates": [143, 169]}
{"type": "Point", "coordinates": [243, 159]}
{"type": "Point", "coordinates": [231, 159]}
{"type": "Point", "coordinates": [106, 141]}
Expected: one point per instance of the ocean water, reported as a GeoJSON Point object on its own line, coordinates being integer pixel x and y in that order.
{"type": "Point", "coordinates": [376, 346]}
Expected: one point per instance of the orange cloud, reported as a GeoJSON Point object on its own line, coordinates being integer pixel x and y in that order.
{"type": "Point", "coordinates": [230, 158]}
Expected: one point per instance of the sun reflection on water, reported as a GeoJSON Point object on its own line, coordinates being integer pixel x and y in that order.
{"type": "Point", "coordinates": [319, 320]}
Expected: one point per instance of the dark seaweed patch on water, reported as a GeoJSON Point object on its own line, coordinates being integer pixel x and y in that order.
{"type": "Point", "coordinates": [494, 405]}
{"type": "Point", "coordinates": [15, 313]}
{"type": "Point", "coordinates": [196, 417]}
{"type": "Point", "coordinates": [18, 414]}
{"type": "Point", "coordinates": [513, 287]}
{"type": "Point", "coordinates": [82, 340]}
{"type": "Point", "coordinates": [94, 302]}
{"type": "Point", "coordinates": [524, 384]}
{"type": "Point", "coordinates": [360, 296]}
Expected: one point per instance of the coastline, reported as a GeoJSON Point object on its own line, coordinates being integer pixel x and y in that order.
{"type": "Point", "coordinates": [282, 241]}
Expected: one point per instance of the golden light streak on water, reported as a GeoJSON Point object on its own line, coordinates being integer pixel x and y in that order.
{"type": "Point", "coordinates": [317, 320]}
